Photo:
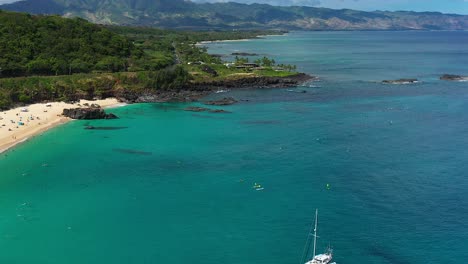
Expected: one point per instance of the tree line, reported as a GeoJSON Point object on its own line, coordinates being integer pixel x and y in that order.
{"type": "Point", "coordinates": [52, 45]}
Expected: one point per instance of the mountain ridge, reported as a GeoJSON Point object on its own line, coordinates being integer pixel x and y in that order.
{"type": "Point", "coordinates": [188, 15]}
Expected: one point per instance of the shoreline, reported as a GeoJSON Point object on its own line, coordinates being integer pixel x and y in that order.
{"type": "Point", "coordinates": [44, 118]}
{"type": "Point", "coordinates": [40, 118]}
{"type": "Point", "coordinates": [255, 82]}
{"type": "Point", "coordinates": [234, 40]}
{"type": "Point", "coordinates": [192, 92]}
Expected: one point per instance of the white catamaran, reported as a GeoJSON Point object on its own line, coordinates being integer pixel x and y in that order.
{"type": "Point", "coordinates": [324, 258]}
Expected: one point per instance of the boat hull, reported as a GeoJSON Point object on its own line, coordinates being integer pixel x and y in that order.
{"type": "Point", "coordinates": [321, 259]}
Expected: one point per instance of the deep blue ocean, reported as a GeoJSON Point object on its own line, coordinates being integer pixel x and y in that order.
{"type": "Point", "coordinates": [170, 186]}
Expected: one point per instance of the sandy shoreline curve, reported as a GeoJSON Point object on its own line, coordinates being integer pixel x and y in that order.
{"type": "Point", "coordinates": [22, 123]}
{"type": "Point", "coordinates": [237, 40]}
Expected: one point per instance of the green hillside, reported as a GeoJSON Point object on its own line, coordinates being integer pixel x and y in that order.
{"type": "Point", "coordinates": [51, 45]}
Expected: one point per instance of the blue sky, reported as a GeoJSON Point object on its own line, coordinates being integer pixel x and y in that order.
{"type": "Point", "coordinates": [446, 6]}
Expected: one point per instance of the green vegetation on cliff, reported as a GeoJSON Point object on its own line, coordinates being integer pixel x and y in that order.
{"type": "Point", "coordinates": [26, 90]}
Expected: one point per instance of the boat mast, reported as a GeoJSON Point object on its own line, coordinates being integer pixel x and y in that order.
{"type": "Point", "coordinates": [315, 231]}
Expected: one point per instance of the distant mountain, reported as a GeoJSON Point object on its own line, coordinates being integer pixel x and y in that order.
{"type": "Point", "coordinates": [186, 14]}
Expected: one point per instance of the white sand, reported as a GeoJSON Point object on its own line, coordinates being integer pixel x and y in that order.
{"type": "Point", "coordinates": [37, 119]}
{"type": "Point", "coordinates": [237, 40]}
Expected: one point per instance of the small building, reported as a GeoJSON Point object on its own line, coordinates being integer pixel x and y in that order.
{"type": "Point", "coordinates": [248, 66]}
{"type": "Point", "coordinates": [251, 65]}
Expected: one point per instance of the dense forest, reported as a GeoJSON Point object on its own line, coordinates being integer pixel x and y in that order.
{"type": "Point", "coordinates": [51, 45]}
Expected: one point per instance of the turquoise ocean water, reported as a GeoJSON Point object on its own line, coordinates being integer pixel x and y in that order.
{"type": "Point", "coordinates": [169, 186]}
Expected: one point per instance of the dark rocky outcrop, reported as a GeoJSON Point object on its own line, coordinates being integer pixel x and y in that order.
{"type": "Point", "coordinates": [224, 101]}
{"type": "Point", "coordinates": [186, 95]}
{"type": "Point", "coordinates": [192, 92]}
{"type": "Point", "coordinates": [452, 77]}
{"type": "Point", "coordinates": [87, 113]}
{"type": "Point", "coordinates": [400, 81]}
{"type": "Point", "coordinates": [254, 82]}
{"type": "Point", "coordinates": [110, 116]}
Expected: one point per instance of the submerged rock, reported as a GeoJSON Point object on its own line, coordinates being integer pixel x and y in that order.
{"type": "Point", "coordinates": [104, 128]}
{"type": "Point", "coordinates": [224, 101]}
{"type": "Point", "coordinates": [196, 109]}
{"type": "Point", "coordinates": [132, 151]}
{"type": "Point", "coordinates": [203, 109]}
{"type": "Point", "coordinates": [400, 81]}
{"type": "Point", "coordinates": [218, 111]}
{"type": "Point", "coordinates": [87, 113]}
{"type": "Point", "coordinates": [452, 77]}
{"type": "Point", "coordinates": [261, 122]}
{"type": "Point", "coordinates": [111, 116]}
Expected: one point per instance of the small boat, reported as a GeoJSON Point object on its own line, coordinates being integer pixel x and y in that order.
{"type": "Point", "coordinates": [324, 258]}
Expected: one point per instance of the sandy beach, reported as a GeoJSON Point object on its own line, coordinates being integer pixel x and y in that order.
{"type": "Point", "coordinates": [19, 124]}
{"type": "Point", "coordinates": [201, 43]}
